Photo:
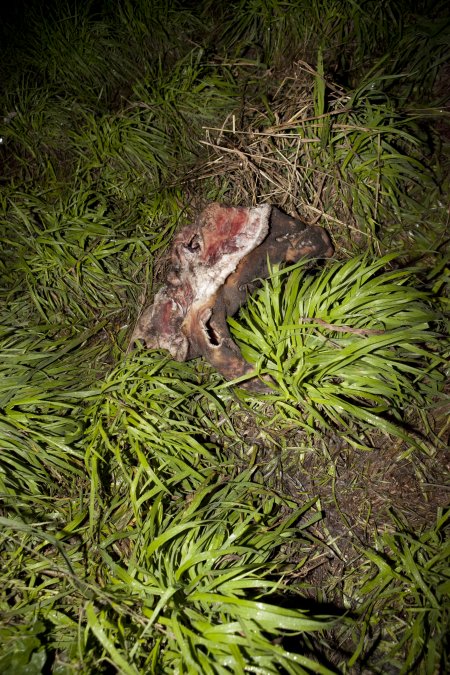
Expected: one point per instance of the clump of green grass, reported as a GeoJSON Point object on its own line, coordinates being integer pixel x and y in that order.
{"type": "Point", "coordinates": [352, 347]}
{"type": "Point", "coordinates": [94, 53]}
{"type": "Point", "coordinates": [178, 562]}
{"type": "Point", "coordinates": [417, 50]}
{"type": "Point", "coordinates": [407, 580]}
{"type": "Point", "coordinates": [137, 152]}
{"type": "Point", "coordinates": [199, 545]}
{"type": "Point", "coordinates": [68, 255]}
{"type": "Point", "coordinates": [282, 32]}
{"type": "Point", "coordinates": [45, 379]}
{"type": "Point", "coordinates": [349, 158]}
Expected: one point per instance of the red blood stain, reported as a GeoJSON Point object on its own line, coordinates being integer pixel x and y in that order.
{"type": "Point", "coordinates": [229, 223]}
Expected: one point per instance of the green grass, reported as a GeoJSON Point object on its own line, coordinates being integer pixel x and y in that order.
{"type": "Point", "coordinates": [153, 518]}
{"type": "Point", "coordinates": [351, 347]}
{"type": "Point", "coordinates": [414, 567]}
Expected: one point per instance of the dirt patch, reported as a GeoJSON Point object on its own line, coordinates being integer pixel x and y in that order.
{"type": "Point", "coordinates": [361, 494]}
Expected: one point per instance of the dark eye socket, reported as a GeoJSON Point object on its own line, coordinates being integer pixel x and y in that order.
{"type": "Point", "coordinates": [194, 244]}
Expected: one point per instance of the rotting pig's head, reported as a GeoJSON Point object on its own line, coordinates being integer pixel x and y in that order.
{"type": "Point", "coordinates": [202, 257]}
